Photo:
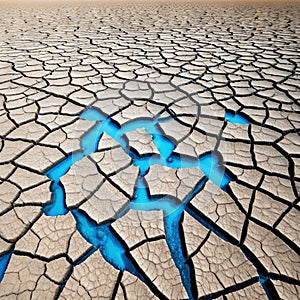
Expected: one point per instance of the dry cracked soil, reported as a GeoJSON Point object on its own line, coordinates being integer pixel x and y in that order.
{"type": "Point", "coordinates": [149, 151]}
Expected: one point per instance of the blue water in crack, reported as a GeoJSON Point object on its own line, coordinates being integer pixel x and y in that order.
{"type": "Point", "coordinates": [235, 118]}
{"type": "Point", "coordinates": [210, 165]}
{"type": "Point", "coordinates": [57, 206]}
{"type": "Point", "coordinates": [4, 260]}
{"type": "Point", "coordinates": [164, 145]}
{"type": "Point", "coordinates": [93, 114]}
{"type": "Point", "coordinates": [89, 142]}
{"type": "Point", "coordinates": [173, 212]}
{"type": "Point", "coordinates": [173, 239]}
{"type": "Point", "coordinates": [102, 236]}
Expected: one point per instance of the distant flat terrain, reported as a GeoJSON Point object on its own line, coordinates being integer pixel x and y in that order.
{"type": "Point", "coordinates": [149, 151]}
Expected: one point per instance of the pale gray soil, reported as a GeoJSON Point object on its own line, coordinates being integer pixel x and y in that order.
{"type": "Point", "coordinates": [193, 62]}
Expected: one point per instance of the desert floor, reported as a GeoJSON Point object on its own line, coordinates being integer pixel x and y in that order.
{"type": "Point", "coordinates": [149, 151]}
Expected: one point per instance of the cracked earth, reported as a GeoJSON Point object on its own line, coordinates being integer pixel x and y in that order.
{"type": "Point", "coordinates": [150, 151]}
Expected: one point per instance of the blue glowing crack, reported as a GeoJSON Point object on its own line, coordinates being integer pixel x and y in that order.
{"type": "Point", "coordinates": [102, 236]}
{"type": "Point", "coordinates": [235, 118]}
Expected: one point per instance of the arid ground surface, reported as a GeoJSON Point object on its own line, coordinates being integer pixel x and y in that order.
{"type": "Point", "coordinates": [149, 151]}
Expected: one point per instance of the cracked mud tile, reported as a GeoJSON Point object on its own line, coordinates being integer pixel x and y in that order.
{"type": "Point", "coordinates": [287, 226]}
{"type": "Point", "coordinates": [155, 260]}
{"type": "Point", "coordinates": [176, 183]}
{"type": "Point", "coordinates": [115, 164]}
{"type": "Point", "coordinates": [218, 265]}
{"type": "Point", "coordinates": [131, 288]}
{"type": "Point", "coordinates": [51, 236]}
{"type": "Point", "coordinates": [80, 182]}
{"type": "Point", "coordinates": [16, 221]}
{"type": "Point", "coordinates": [252, 291]}
{"type": "Point", "coordinates": [44, 157]}
{"type": "Point", "coordinates": [220, 208]}
{"type": "Point", "coordinates": [23, 273]}
{"type": "Point", "coordinates": [146, 226]}
{"type": "Point", "coordinates": [67, 137]}
{"type": "Point", "coordinates": [286, 290]}
{"type": "Point", "coordinates": [274, 253]}
{"type": "Point", "coordinates": [93, 278]}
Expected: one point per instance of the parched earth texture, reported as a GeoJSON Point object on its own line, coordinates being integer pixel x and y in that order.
{"type": "Point", "coordinates": [150, 151]}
